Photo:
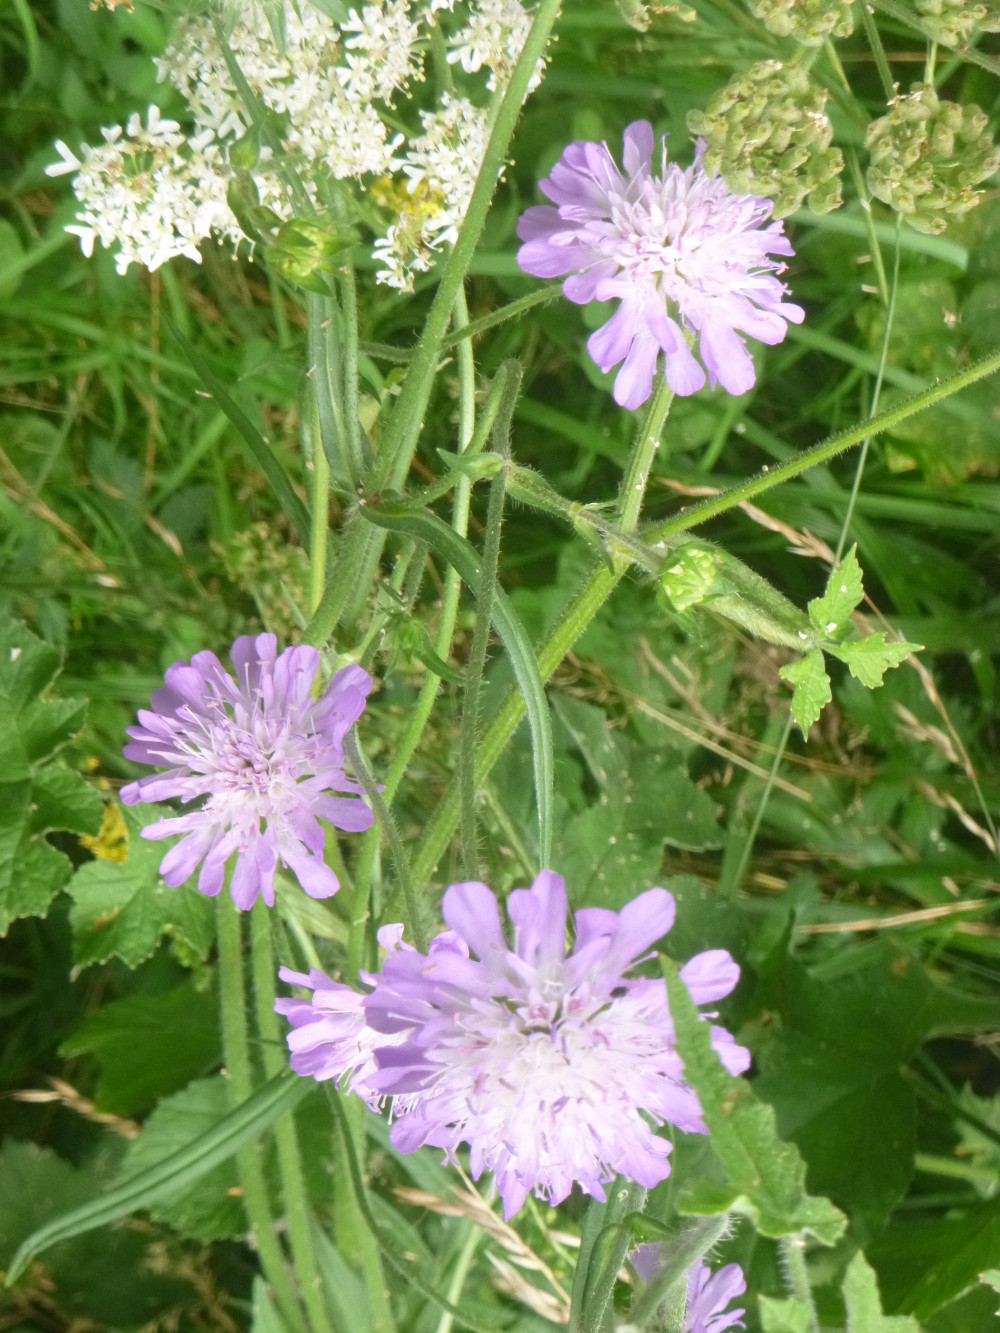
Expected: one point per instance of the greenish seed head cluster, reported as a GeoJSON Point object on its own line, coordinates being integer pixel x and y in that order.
{"type": "Point", "coordinates": [767, 133]}
{"type": "Point", "coordinates": [954, 21]}
{"type": "Point", "coordinates": [927, 155]}
{"type": "Point", "coordinates": [810, 22]}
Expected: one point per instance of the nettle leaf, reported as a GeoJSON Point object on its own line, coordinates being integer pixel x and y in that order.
{"type": "Point", "coordinates": [36, 798]}
{"type": "Point", "coordinates": [211, 1208]}
{"type": "Point", "coordinates": [831, 613]}
{"type": "Point", "coordinates": [870, 658]}
{"type": "Point", "coordinates": [121, 910]}
{"type": "Point", "coordinates": [864, 1306]}
{"type": "Point", "coordinates": [811, 687]}
{"type": "Point", "coordinates": [137, 1066]}
{"type": "Point", "coordinates": [768, 1176]}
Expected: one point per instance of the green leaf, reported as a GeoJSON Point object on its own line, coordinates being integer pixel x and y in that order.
{"type": "Point", "coordinates": [768, 1175]}
{"type": "Point", "coordinates": [925, 1265]}
{"type": "Point", "coordinates": [425, 526]}
{"type": "Point", "coordinates": [63, 800]}
{"type": "Point", "coordinates": [211, 1208]}
{"type": "Point", "coordinates": [263, 454]}
{"type": "Point", "coordinates": [47, 724]}
{"type": "Point", "coordinates": [790, 1316]}
{"type": "Point", "coordinates": [31, 871]}
{"type": "Point", "coordinates": [172, 1174]}
{"type": "Point", "coordinates": [868, 659]}
{"type": "Point", "coordinates": [831, 613]}
{"type": "Point", "coordinates": [137, 1066]}
{"type": "Point", "coordinates": [121, 910]}
{"type": "Point", "coordinates": [811, 687]}
{"type": "Point", "coordinates": [27, 665]}
{"type": "Point", "coordinates": [864, 1306]}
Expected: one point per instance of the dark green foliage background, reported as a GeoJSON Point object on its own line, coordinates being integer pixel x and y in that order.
{"type": "Point", "coordinates": [135, 531]}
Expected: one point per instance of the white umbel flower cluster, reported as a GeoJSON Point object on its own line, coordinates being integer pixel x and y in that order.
{"type": "Point", "coordinates": [337, 96]}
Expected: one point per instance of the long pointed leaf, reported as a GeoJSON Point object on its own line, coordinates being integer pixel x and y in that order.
{"type": "Point", "coordinates": [255, 442]}
{"type": "Point", "coordinates": [427, 527]}
{"type": "Point", "coordinates": [173, 1173]}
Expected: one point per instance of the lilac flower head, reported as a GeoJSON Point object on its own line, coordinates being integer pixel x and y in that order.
{"type": "Point", "coordinates": [266, 755]}
{"type": "Point", "coordinates": [548, 1066]}
{"type": "Point", "coordinates": [708, 1295]}
{"type": "Point", "coordinates": [689, 262]}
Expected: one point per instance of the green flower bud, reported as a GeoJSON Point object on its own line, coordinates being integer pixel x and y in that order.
{"type": "Point", "coordinates": [810, 22]}
{"type": "Point", "coordinates": [926, 155]}
{"type": "Point", "coordinates": [767, 134]}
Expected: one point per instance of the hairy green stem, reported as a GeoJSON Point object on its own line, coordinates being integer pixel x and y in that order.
{"type": "Point", "coordinates": [592, 1291]}
{"type": "Point", "coordinates": [363, 773]}
{"type": "Point", "coordinates": [293, 1185]}
{"type": "Point", "coordinates": [319, 520]}
{"type": "Point", "coordinates": [402, 430]}
{"type": "Point", "coordinates": [480, 639]}
{"type": "Point", "coordinates": [821, 453]}
{"type": "Point", "coordinates": [793, 1254]}
{"type": "Point", "coordinates": [236, 1047]}
{"type": "Point", "coordinates": [575, 618]}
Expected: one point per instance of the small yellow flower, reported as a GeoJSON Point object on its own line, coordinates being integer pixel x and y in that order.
{"type": "Point", "coordinates": [111, 842]}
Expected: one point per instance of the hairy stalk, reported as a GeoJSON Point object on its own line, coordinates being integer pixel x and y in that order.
{"type": "Point", "coordinates": [592, 1290]}
{"type": "Point", "coordinates": [468, 442]}
{"type": "Point", "coordinates": [821, 453]}
{"type": "Point", "coordinates": [845, 526]}
{"type": "Point", "coordinates": [319, 519]}
{"type": "Point", "coordinates": [293, 1185]}
{"type": "Point", "coordinates": [402, 430]}
{"type": "Point", "coordinates": [236, 1047]}
{"type": "Point", "coordinates": [409, 1272]}
{"type": "Point", "coordinates": [574, 620]}
{"type": "Point", "coordinates": [350, 384]}
{"type": "Point", "coordinates": [793, 1255]}
{"type": "Point", "coordinates": [396, 845]}
{"type": "Point", "coordinates": [481, 634]}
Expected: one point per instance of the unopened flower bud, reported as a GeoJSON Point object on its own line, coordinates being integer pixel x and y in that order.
{"type": "Point", "coordinates": [953, 21]}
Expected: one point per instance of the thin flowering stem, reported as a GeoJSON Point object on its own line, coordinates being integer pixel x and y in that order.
{"type": "Point", "coordinates": [396, 844]}
{"type": "Point", "coordinates": [793, 1258]}
{"type": "Point", "coordinates": [574, 620]}
{"type": "Point", "coordinates": [320, 519]}
{"type": "Point", "coordinates": [408, 1271]}
{"type": "Point", "coordinates": [402, 430]}
{"type": "Point", "coordinates": [822, 453]}
{"type": "Point", "coordinates": [293, 1185]}
{"type": "Point", "coordinates": [674, 1257]}
{"type": "Point", "coordinates": [477, 653]}
{"type": "Point", "coordinates": [236, 1048]}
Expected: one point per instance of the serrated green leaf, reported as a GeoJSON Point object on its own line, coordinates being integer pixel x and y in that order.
{"type": "Point", "coordinates": [868, 659]}
{"type": "Point", "coordinates": [137, 1066]}
{"type": "Point", "coordinates": [47, 724]}
{"type": "Point", "coordinates": [121, 910]}
{"type": "Point", "coordinates": [27, 665]}
{"type": "Point", "coordinates": [831, 613]}
{"type": "Point", "coordinates": [811, 686]}
{"type": "Point", "coordinates": [768, 1174]}
{"type": "Point", "coordinates": [31, 871]}
{"type": "Point", "coordinates": [789, 1316]}
{"type": "Point", "coordinates": [212, 1208]}
{"type": "Point", "coordinates": [864, 1305]}
{"type": "Point", "coordinates": [62, 799]}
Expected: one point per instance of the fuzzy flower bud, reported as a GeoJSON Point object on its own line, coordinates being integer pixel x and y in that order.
{"type": "Point", "coordinates": [767, 133]}
{"type": "Point", "coordinates": [927, 154]}
{"type": "Point", "coordinates": [810, 22]}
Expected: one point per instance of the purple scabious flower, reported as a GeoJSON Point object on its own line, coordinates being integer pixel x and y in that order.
{"type": "Point", "coordinates": [689, 262]}
{"type": "Point", "coordinates": [708, 1295]}
{"type": "Point", "coordinates": [550, 1067]}
{"type": "Point", "coordinates": [264, 753]}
